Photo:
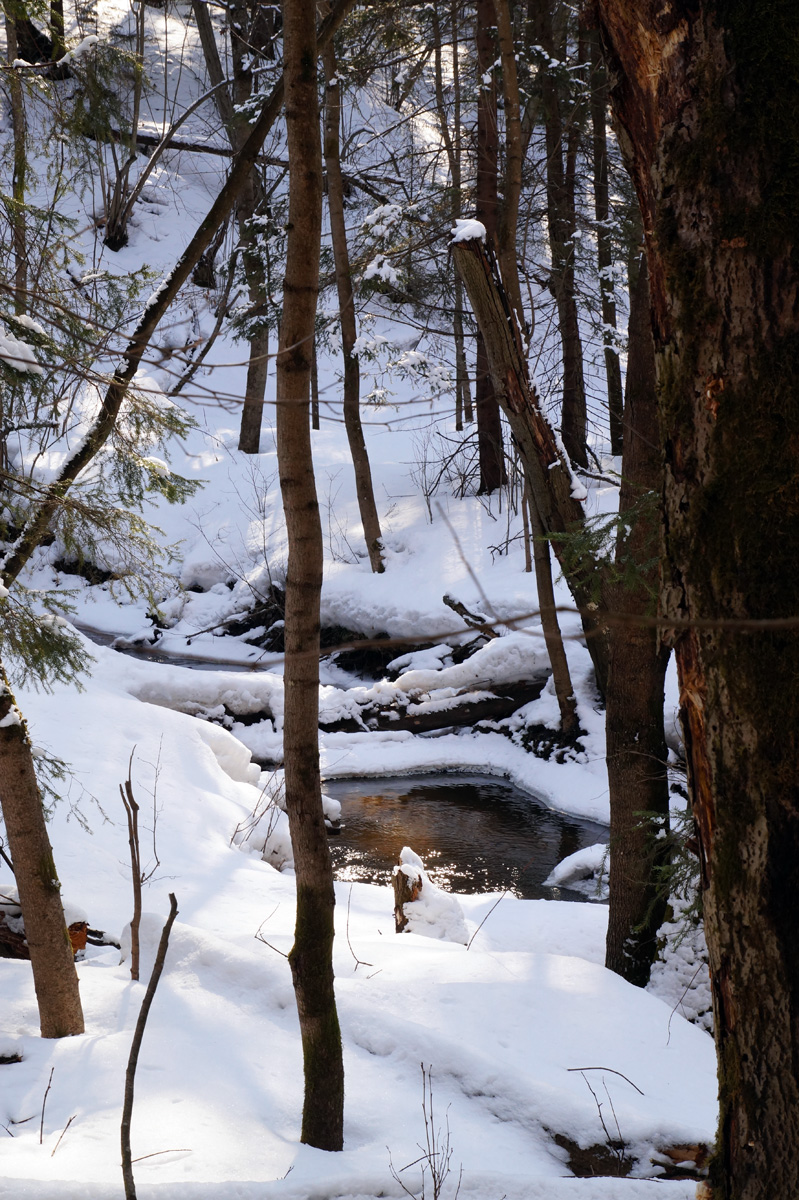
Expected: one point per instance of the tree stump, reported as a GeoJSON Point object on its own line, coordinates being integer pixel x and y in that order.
{"type": "Point", "coordinates": [407, 888]}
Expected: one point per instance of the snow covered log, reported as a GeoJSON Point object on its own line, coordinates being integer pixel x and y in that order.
{"type": "Point", "coordinates": [440, 711]}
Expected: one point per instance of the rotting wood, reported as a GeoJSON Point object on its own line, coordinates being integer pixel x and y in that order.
{"type": "Point", "coordinates": [407, 888]}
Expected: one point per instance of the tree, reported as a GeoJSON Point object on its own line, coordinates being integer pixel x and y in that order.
{"type": "Point", "coordinates": [311, 956]}
{"type": "Point", "coordinates": [629, 662]}
{"type": "Point", "coordinates": [346, 307]}
{"type": "Point", "coordinates": [54, 976]}
{"type": "Point", "coordinates": [704, 94]}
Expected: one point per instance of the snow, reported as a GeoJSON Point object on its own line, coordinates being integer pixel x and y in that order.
{"type": "Point", "coordinates": [506, 1023]}
{"type": "Point", "coordinates": [582, 866]}
{"type": "Point", "coordinates": [503, 1024]}
{"type": "Point", "coordinates": [468, 230]}
{"type": "Point", "coordinates": [18, 354]}
{"type": "Point", "coordinates": [78, 51]}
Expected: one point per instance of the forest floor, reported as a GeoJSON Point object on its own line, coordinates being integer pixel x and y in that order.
{"type": "Point", "coordinates": [536, 1052]}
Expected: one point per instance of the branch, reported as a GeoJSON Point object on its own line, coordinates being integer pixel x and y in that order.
{"type": "Point", "coordinates": [138, 1034]}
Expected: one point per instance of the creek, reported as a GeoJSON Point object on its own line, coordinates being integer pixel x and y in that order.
{"type": "Point", "coordinates": [475, 833]}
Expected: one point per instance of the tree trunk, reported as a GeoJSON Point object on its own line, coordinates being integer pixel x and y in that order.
{"type": "Point", "coordinates": [512, 183]}
{"type": "Point", "coordinates": [54, 976]}
{"type": "Point", "coordinates": [548, 612]}
{"type": "Point", "coordinates": [18, 186]}
{"type": "Point", "coordinates": [634, 728]}
{"type": "Point", "coordinates": [705, 95]}
{"type": "Point", "coordinates": [489, 425]}
{"type": "Point", "coordinates": [243, 47]}
{"type": "Point", "coordinates": [599, 153]}
{"type": "Point", "coordinates": [626, 675]}
{"type": "Point", "coordinates": [561, 225]}
{"type": "Point", "coordinates": [551, 483]}
{"type": "Point", "coordinates": [349, 330]}
{"type": "Point", "coordinates": [312, 953]}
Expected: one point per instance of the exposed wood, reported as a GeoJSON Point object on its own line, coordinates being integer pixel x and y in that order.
{"type": "Point", "coordinates": [407, 888]}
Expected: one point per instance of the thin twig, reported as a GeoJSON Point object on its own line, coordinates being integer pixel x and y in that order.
{"type": "Point", "coordinates": [63, 1131]}
{"type": "Point", "coordinates": [612, 1072]}
{"type": "Point", "coordinates": [260, 937]}
{"type": "Point", "coordinates": [358, 961]}
{"type": "Point", "coordinates": [155, 1153]}
{"type": "Point", "coordinates": [138, 1034]}
{"type": "Point", "coordinates": [485, 918]}
{"type": "Point", "coordinates": [44, 1101]}
{"type": "Point", "coordinates": [688, 986]}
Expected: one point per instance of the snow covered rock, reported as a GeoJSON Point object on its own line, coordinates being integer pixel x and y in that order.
{"type": "Point", "coordinates": [584, 871]}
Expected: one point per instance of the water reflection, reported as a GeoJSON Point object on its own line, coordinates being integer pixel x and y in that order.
{"type": "Point", "coordinates": [474, 833]}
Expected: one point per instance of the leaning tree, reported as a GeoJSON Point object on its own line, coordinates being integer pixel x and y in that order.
{"type": "Point", "coordinates": [705, 94]}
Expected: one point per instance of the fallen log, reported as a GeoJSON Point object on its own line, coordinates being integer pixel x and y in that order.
{"type": "Point", "coordinates": [426, 716]}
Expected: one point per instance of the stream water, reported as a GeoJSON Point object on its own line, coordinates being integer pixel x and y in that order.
{"type": "Point", "coordinates": [473, 833]}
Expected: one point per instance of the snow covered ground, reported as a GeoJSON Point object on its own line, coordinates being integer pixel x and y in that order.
{"type": "Point", "coordinates": [533, 1046]}
{"type": "Point", "coordinates": [503, 1024]}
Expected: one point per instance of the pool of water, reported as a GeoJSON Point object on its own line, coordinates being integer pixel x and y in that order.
{"type": "Point", "coordinates": [473, 833]}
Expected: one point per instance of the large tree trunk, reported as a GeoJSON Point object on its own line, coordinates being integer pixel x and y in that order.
{"type": "Point", "coordinates": [311, 957]}
{"type": "Point", "coordinates": [705, 95]}
{"type": "Point", "coordinates": [634, 728]}
{"type": "Point", "coordinates": [346, 306]}
{"type": "Point", "coordinates": [54, 975]}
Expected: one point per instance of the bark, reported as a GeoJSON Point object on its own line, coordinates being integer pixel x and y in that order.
{"type": "Point", "coordinates": [599, 155]}
{"type": "Point", "coordinates": [704, 95]}
{"type": "Point", "coordinates": [452, 145]}
{"type": "Point", "coordinates": [117, 208]}
{"type": "Point", "coordinates": [311, 956]}
{"type": "Point", "coordinates": [349, 331]}
{"type": "Point", "coordinates": [489, 426]}
{"type": "Point", "coordinates": [135, 1047]}
{"type": "Point", "coordinates": [54, 976]}
{"type": "Point", "coordinates": [547, 608]}
{"type": "Point", "coordinates": [634, 729]}
{"type": "Point", "coordinates": [561, 224]}
{"type": "Point", "coordinates": [18, 184]}
{"type": "Point", "coordinates": [512, 182]}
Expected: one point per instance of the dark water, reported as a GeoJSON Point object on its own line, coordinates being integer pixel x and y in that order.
{"type": "Point", "coordinates": [473, 833]}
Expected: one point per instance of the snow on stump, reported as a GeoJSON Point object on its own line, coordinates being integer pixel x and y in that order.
{"type": "Point", "coordinates": [421, 907]}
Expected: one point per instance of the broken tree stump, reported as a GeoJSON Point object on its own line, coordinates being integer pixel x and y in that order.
{"type": "Point", "coordinates": [407, 882]}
